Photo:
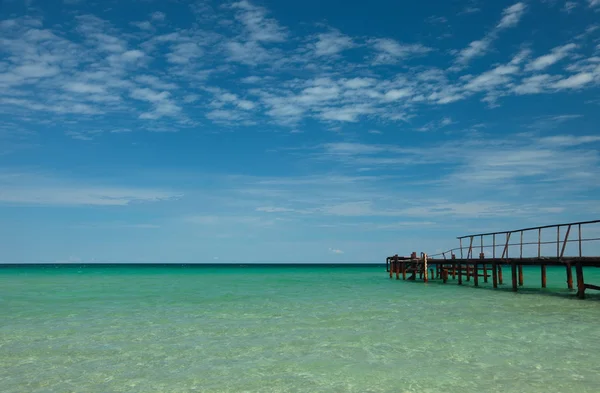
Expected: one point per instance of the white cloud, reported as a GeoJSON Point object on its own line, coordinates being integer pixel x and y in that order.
{"type": "Point", "coordinates": [510, 18]}
{"type": "Point", "coordinates": [259, 27]}
{"type": "Point", "coordinates": [534, 85]}
{"type": "Point", "coordinates": [229, 220]}
{"type": "Point", "coordinates": [575, 81]}
{"type": "Point", "coordinates": [158, 16]}
{"type": "Point", "coordinates": [28, 189]}
{"type": "Point", "coordinates": [332, 43]}
{"type": "Point", "coordinates": [155, 82]}
{"type": "Point", "coordinates": [273, 209]}
{"type": "Point", "coordinates": [247, 53]}
{"type": "Point", "coordinates": [39, 70]}
{"type": "Point", "coordinates": [143, 25]}
{"type": "Point", "coordinates": [163, 104]}
{"type": "Point", "coordinates": [569, 140]}
{"type": "Point", "coordinates": [335, 251]}
{"type": "Point", "coordinates": [350, 113]}
{"type": "Point", "coordinates": [391, 51]}
{"type": "Point", "coordinates": [358, 83]}
{"type": "Point", "coordinates": [396, 94]}
{"type": "Point", "coordinates": [84, 88]}
{"type": "Point", "coordinates": [492, 79]}
{"type": "Point", "coordinates": [512, 15]}
{"type": "Point", "coordinates": [149, 95]}
{"type": "Point", "coordinates": [184, 52]}
{"type": "Point", "coordinates": [569, 6]}
{"type": "Point", "coordinates": [475, 49]}
{"type": "Point", "coordinates": [594, 3]}
{"type": "Point", "coordinates": [83, 135]}
{"type": "Point", "coordinates": [556, 55]}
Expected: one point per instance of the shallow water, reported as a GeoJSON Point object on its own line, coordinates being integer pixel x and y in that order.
{"type": "Point", "coordinates": [289, 329]}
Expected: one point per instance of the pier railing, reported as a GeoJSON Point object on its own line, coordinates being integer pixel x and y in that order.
{"type": "Point", "coordinates": [546, 245]}
{"type": "Point", "coordinates": [504, 240]}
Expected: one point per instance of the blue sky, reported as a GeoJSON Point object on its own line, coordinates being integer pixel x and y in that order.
{"type": "Point", "coordinates": [277, 131]}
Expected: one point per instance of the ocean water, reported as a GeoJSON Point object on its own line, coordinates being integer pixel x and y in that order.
{"type": "Point", "coordinates": [290, 329]}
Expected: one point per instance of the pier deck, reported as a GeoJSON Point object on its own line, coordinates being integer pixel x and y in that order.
{"type": "Point", "coordinates": [488, 265]}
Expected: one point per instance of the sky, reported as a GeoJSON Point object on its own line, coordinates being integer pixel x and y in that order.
{"type": "Point", "coordinates": [281, 131]}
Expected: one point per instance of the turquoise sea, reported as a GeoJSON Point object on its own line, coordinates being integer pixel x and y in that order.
{"type": "Point", "coordinates": [290, 329]}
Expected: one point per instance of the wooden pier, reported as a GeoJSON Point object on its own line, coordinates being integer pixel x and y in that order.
{"type": "Point", "coordinates": [466, 268]}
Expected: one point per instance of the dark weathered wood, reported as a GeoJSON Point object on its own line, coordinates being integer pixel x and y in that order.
{"type": "Point", "coordinates": [569, 276]}
{"type": "Point", "coordinates": [476, 276]}
{"type": "Point", "coordinates": [500, 280]}
{"type": "Point", "coordinates": [495, 275]}
{"type": "Point", "coordinates": [397, 268]}
{"type": "Point", "coordinates": [580, 283]}
{"type": "Point", "coordinates": [485, 273]}
{"type": "Point", "coordinates": [404, 270]}
{"type": "Point", "coordinates": [539, 242]}
{"type": "Point", "coordinates": [513, 268]}
{"type": "Point", "coordinates": [562, 250]}
{"type": "Point", "coordinates": [543, 271]}
{"type": "Point", "coordinates": [460, 274]}
{"type": "Point", "coordinates": [579, 241]}
{"type": "Point", "coordinates": [468, 272]}
{"type": "Point", "coordinates": [520, 275]}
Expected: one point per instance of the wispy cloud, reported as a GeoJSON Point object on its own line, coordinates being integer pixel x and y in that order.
{"type": "Point", "coordinates": [35, 189]}
{"type": "Point", "coordinates": [511, 15]}
{"type": "Point", "coordinates": [258, 25]}
{"type": "Point", "coordinates": [390, 51]}
{"type": "Point", "coordinates": [510, 18]}
{"type": "Point", "coordinates": [546, 61]}
{"type": "Point", "coordinates": [332, 43]}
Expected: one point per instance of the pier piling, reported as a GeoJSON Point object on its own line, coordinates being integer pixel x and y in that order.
{"type": "Point", "coordinates": [428, 267]}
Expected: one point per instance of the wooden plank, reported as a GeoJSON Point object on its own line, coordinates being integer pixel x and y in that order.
{"type": "Point", "coordinates": [591, 286]}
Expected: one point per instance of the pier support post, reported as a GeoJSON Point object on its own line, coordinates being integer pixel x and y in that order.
{"type": "Point", "coordinates": [580, 282]}
{"type": "Point", "coordinates": [485, 273]}
{"type": "Point", "coordinates": [454, 267]}
{"type": "Point", "coordinates": [460, 274]}
{"type": "Point", "coordinates": [476, 275]}
{"type": "Point", "coordinates": [543, 269]}
{"type": "Point", "coordinates": [397, 267]}
{"type": "Point", "coordinates": [500, 280]}
{"type": "Point", "coordinates": [513, 268]}
{"type": "Point", "coordinates": [425, 271]}
{"type": "Point", "coordinates": [569, 276]}
{"type": "Point", "coordinates": [391, 269]}
{"type": "Point", "coordinates": [404, 270]}
{"type": "Point", "coordinates": [495, 274]}
{"type": "Point", "coordinates": [468, 272]}
{"type": "Point", "coordinates": [520, 275]}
